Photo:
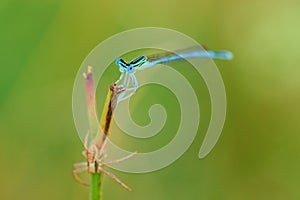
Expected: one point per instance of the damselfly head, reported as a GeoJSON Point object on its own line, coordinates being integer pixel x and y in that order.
{"type": "Point", "coordinates": [124, 66]}
{"type": "Point", "coordinates": [121, 64]}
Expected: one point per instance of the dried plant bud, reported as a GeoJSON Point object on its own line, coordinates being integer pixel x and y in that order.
{"type": "Point", "coordinates": [91, 102]}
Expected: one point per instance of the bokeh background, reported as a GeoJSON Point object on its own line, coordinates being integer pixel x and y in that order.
{"type": "Point", "coordinates": [257, 157]}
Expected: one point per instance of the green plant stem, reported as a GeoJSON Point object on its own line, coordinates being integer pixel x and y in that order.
{"type": "Point", "coordinates": [95, 189]}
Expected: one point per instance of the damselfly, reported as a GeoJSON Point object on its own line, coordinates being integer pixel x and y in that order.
{"type": "Point", "coordinates": [128, 69]}
{"type": "Point", "coordinates": [94, 145]}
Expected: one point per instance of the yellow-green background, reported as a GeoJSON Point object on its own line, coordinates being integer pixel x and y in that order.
{"type": "Point", "coordinates": [43, 44]}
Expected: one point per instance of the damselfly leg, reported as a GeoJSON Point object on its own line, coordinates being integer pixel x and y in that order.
{"type": "Point", "coordinates": [130, 83]}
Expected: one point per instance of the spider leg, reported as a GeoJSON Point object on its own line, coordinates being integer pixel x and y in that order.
{"type": "Point", "coordinates": [86, 139]}
{"type": "Point", "coordinates": [115, 178]}
{"type": "Point", "coordinates": [104, 155]}
{"type": "Point", "coordinates": [121, 159]}
{"type": "Point", "coordinates": [76, 177]}
{"type": "Point", "coordinates": [79, 165]}
{"type": "Point", "coordinates": [102, 150]}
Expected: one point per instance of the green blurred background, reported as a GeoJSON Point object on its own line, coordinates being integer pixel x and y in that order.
{"type": "Point", "coordinates": [43, 44]}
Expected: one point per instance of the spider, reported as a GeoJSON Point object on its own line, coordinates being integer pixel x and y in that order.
{"type": "Point", "coordinates": [94, 152]}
